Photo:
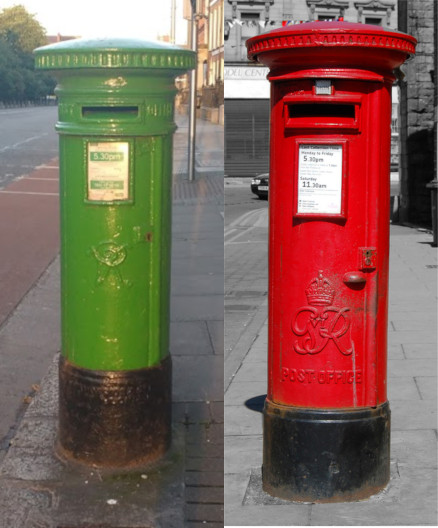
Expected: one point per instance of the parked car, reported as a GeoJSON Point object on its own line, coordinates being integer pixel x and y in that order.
{"type": "Point", "coordinates": [260, 186]}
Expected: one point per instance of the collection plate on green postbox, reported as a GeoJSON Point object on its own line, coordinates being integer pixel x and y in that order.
{"type": "Point", "coordinates": [108, 171]}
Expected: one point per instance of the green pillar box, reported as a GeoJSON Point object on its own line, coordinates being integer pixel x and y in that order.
{"type": "Point", "coordinates": [116, 103]}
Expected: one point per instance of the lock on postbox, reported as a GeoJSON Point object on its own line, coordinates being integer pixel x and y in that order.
{"type": "Point", "coordinates": [326, 415]}
{"type": "Point", "coordinates": [116, 104]}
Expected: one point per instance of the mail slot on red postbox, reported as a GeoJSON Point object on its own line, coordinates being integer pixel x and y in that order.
{"type": "Point", "coordinates": [326, 416]}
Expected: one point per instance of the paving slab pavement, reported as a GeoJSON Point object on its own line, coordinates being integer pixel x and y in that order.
{"type": "Point", "coordinates": [411, 497]}
{"type": "Point", "coordinates": [186, 487]}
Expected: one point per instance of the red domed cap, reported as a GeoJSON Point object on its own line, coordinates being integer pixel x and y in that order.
{"type": "Point", "coordinates": [343, 44]}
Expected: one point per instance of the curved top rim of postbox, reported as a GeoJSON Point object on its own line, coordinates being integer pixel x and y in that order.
{"type": "Point", "coordinates": [333, 36]}
{"type": "Point", "coordinates": [113, 53]}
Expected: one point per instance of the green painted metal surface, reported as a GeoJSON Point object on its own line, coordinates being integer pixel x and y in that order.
{"type": "Point", "coordinates": [116, 103]}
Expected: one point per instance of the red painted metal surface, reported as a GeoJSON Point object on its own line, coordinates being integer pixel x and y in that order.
{"type": "Point", "coordinates": [329, 210]}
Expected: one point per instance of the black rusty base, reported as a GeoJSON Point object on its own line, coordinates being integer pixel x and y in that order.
{"type": "Point", "coordinates": [312, 455]}
{"type": "Point", "coordinates": [114, 419]}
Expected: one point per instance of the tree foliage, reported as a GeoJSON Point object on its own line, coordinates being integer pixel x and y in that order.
{"type": "Point", "coordinates": [28, 32]}
{"type": "Point", "coordinates": [20, 34]}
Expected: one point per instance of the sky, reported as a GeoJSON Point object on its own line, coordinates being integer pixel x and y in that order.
{"type": "Point", "coordinates": [145, 19]}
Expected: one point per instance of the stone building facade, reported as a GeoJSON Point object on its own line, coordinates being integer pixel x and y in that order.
{"type": "Point", "coordinates": [247, 91]}
{"type": "Point", "coordinates": [212, 101]}
{"type": "Point", "coordinates": [209, 20]}
{"type": "Point", "coordinates": [418, 111]}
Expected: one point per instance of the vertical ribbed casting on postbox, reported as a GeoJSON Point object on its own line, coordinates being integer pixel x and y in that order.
{"type": "Point", "coordinates": [326, 416]}
{"type": "Point", "coordinates": [116, 104]}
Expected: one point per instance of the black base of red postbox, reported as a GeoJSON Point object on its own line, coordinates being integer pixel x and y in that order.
{"type": "Point", "coordinates": [114, 419]}
{"type": "Point", "coordinates": [330, 455]}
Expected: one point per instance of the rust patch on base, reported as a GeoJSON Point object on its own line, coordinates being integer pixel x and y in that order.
{"type": "Point", "coordinates": [114, 419]}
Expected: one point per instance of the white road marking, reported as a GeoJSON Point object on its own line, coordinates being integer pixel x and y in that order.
{"type": "Point", "coordinates": [32, 178]}
{"type": "Point", "coordinates": [28, 140]}
{"type": "Point", "coordinates": [28, 192]}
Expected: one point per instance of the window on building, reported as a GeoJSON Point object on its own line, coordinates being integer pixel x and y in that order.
{"type": "Point", "coordinates": [375, 21]}
{"type": "Point", "coordinates": [204, 73]}
{"type": "Point", "coordinates": [377, 12]}
{"type": "Point", "coordinates": [250, 27]}
{"type": "Point", "coordinates": [326, 9]}
{"type": "Point", "coordinates": [323, 18]}
{"type": "Point", "coordinates": [250, 24]}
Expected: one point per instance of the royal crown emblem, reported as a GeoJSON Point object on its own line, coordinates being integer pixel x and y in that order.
{"type": "Point", "coordinates": [320, 323]}
{"type": "Point", "coordinates": [320, 292]}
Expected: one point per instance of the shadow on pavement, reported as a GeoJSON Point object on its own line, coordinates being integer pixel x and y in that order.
{"type": "Point", "coordinates": [256, 403]}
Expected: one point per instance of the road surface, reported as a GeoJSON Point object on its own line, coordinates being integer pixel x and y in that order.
{"type": "Point", "coordinates": [29, 242]}
{"type": "Point", "coordinates": [27, 139]}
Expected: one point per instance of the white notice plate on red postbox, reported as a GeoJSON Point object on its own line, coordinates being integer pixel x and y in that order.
{"type": "Point", "coordinates": [108, 171]}
{"type": "Point", "coordinates": [320, 179]}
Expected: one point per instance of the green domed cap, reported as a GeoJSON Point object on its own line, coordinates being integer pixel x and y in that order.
{"type": "Point", "coordinates": [113, 53]}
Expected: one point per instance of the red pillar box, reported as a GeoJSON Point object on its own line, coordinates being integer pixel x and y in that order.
{"type": "Point", "coordinates": [326, 416]}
